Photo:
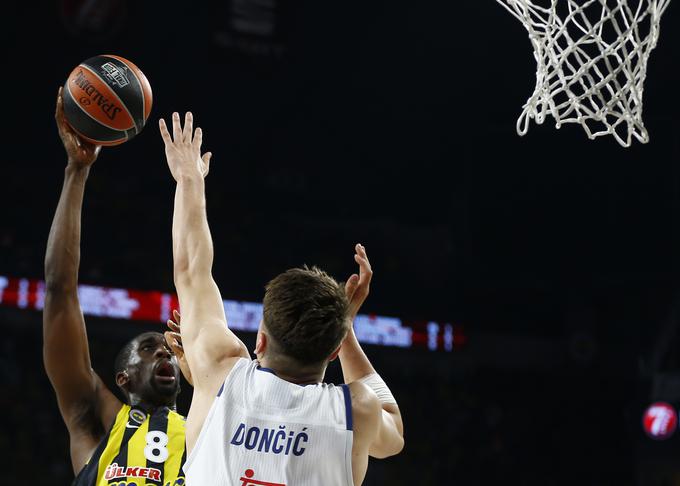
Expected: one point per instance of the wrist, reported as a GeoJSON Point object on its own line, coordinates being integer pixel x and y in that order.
{"type": "Point", "coordinates": [73, 168]}
{"type": "Point", "coordinates": [190, 178]}
{"type": "Point", "coordinates": [349, 344]}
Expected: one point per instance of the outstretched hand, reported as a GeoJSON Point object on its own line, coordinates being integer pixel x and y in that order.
{"type": "Point", "coordinates": [183, 148]}
{"type": "Point", "coordinates": [357, 286]}
{"type": "Point", "coordinates": [174, 339]}
{"type": "Point", "coordinates": [80, 152]}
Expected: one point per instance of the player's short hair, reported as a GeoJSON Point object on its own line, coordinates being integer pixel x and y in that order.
{"type": "Point", "coordinates": [123, 357]}
{"type": "Point", "coordinates": [306, 314]}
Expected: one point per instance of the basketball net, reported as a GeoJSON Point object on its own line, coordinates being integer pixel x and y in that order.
{"type": "Point", "coordinates": [591, 58]}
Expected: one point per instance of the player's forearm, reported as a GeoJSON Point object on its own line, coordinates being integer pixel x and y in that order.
{"type": "Point", "coordinates": [356, 365]}
{"type": "Point", "coordinates": [206, 338]}
{"type": "Point", "coordinates": [354, 362]}
{"type": "Point", "coordinates": [192, 243]}
{"type": "Point", "coordinates": [65, 350]}
{"type": "Point", "coordinates": [62, 257]}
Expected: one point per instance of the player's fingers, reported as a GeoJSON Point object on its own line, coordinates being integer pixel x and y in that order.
{"type": "Point", "coordinates": [62, 126]}
{"type": "Point", "coordinates": [170, 340]}
{"type": "Point", "coordinates": [198, 138]}
{"type": "Point", "coordinates": [361, 251]}
{"type": "Point", "coordinates": [364, 265]}
{"type": "Point", "coordinates": [206, 163]}
{"type": "Point", "coordinates": [176, 128]}
{"type": "Point", "coordinates": [173, 325]}
{"type": "Point", "coordinates": [178, 350]}
{"type": "Point", "coordinates": [365, 275]}
{"type": "Point", "coordinates": [59, 108]}
{"type": "Point", "coordinates": [177, 316]}
{"type": "Point", "coordinates": [188, 127]}
{"type": "Point", "coordinates": [351, 286]}
{"type": "Point", "coordinates": [164, 132]}
{"type": "Point", "coordinates": [174, 340]}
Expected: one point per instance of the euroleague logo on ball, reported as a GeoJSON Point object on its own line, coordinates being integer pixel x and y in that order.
{"type": "Point", "coordinates": [660, 421]}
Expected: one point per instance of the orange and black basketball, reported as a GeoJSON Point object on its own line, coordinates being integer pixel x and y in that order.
{"type": "Point", "coordinates": [107, 100]}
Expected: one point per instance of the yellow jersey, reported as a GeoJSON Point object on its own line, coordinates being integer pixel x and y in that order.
{"type": "Point", "coordinates": [141, 449]}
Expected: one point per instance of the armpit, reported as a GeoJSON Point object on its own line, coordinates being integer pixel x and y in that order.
{"type": "Point", "coordinates": [85, 418]}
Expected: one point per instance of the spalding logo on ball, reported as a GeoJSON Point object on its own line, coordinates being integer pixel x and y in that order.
{"type": "Point", "coordinates": [107, 100]}
{"type": "Point", "coordinates": [660, 421]}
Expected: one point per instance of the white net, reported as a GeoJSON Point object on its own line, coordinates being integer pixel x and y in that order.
{"type": "Point", "coordinates": [591, 60]}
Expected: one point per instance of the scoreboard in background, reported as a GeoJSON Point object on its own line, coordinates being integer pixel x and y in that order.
{"type": "Point", "coordinates": [154, 306]}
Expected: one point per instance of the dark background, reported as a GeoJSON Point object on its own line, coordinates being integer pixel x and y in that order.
{"type": "Point", "coordinates": [391, 124]}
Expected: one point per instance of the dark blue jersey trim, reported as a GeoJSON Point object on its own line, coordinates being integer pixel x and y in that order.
{"type": "Point", "coordinates": [268, 370]}
{"type": "Point", "coordinates": [348, 407]}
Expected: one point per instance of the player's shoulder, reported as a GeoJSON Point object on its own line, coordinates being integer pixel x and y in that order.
{"type": "Point", "coordinates": [366, 408]}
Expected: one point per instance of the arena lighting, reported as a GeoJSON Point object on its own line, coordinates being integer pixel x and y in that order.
{"type": "Point", "coordinates": [154, 306]}
{"type": "Point", "coordinates": [660, 421]}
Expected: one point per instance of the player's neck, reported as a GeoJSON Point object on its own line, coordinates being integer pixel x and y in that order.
{"type": "Point", "coordinates": [138, 402]}
{"type": "Point", "coordinates": [301, 375]}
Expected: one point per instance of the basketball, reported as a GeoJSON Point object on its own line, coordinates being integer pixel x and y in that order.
{"type": "Point", "coordinates": [107, 100]}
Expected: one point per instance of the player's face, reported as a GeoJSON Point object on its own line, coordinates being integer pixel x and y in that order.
{"type": "Point", "coordinates": [153, 370]}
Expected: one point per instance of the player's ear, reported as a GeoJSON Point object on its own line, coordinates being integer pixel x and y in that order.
{"type": "Point", "coordinates": [122, 379]}
{"type": "Point", "coordinates": [260, 343]}
{"type": "Point", "coordinates": [335, 353]}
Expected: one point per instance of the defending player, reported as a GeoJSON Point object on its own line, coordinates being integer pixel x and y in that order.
{"type": "Point", "coordinates": [251, 422]}
{"type": "Point", "coordinates": [141, 441]}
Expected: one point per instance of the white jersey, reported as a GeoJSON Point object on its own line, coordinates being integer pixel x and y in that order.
{"type": "Point", "coordinates": [265, 431]}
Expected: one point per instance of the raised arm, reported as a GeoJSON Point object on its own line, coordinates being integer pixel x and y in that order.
{"type": "Point", "coordinates": [387, 436]}
{"type": "Point", "coordinates": [86, 406]}
{"type": "Point", "coordinates": [210, 346]}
